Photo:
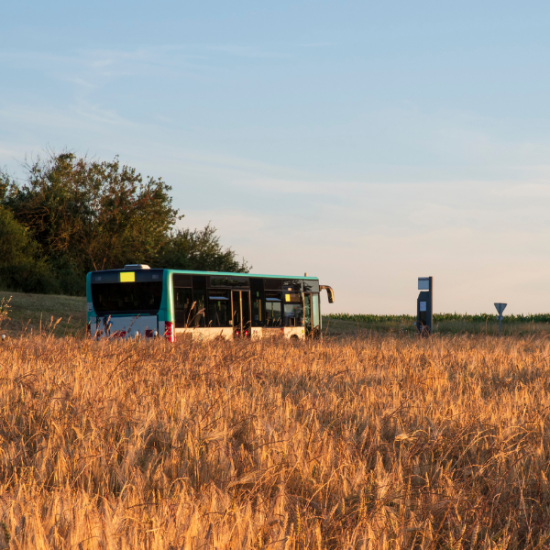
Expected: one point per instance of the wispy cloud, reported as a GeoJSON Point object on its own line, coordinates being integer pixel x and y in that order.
{"type": "Point", "coordinates": [527, 190]}
{"type": "Point", "coordinates": [162, 60]}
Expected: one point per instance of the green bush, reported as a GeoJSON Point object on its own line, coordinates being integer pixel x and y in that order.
{"type": "Point", "coordinates": [32, 276]}
{"type": "Point", "coordinates": [438, 317]}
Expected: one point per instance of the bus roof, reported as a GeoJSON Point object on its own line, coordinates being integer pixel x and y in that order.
{"type": "Point", "coordinates": [223, 273]}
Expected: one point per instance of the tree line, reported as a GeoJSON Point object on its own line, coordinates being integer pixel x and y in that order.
{"type": "Point", "coordinates": [71, 215]}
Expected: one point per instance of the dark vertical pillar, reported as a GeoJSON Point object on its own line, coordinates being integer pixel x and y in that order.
{"type": "Point", "coordinates": [431, 306]}
{"type": "Point", "coordinates": [424, 306]}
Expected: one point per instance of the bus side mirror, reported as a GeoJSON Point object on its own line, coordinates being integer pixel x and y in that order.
{"type": "Point", "coordinates": [330, 293]}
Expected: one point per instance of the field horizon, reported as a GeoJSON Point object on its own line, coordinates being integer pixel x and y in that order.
{"type": "Point", "coordinates": [32, 313]}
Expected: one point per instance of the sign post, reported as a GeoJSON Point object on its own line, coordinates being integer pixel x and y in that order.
{"type": "Point", "coordinates": [500, 308]}
{"type": "Point", "coordinates": [424, 306]}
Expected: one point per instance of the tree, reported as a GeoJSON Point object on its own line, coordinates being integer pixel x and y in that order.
{"type": "Point", "coordinates": [200, 249]}
{"type": "Point", "coordinates": [92, 215]}
{"type": "Point", "coordinates": [16, 245]}
{"type": "Point", "coordinates": [21, 266]}
{"type": "Point", "coordinates": [73, 215]}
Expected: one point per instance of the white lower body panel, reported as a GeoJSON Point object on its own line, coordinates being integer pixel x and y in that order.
{"type": "Point", "coordinates": [205, 333]}
{"type": "Point", "coordinates": [295, 332]}
{"type": "Point", "coordinates": [257, 333]}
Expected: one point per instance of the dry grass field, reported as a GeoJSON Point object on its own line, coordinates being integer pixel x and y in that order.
{"type": "Point", "coordinates": [378, 442]}
{"type": "Point", "coordinates": [32, 313]}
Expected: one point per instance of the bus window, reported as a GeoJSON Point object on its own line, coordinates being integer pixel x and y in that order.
{"type": "Point", "coordinates": [316, 319]}
{"type": "Point", "coordinates": [229, 281]}
{"type": "Point", "coordinates": [182, 281]}
{"type": "Point", "coordinates": [273, 309]}
{"type": "Point", "coordinates": [307, 311]}
{"type": "Point", "coordinates": [198, 312]}
{"type": "Point", "coordinates": [245, 297]}
{"type": "Point", "coordinates": [183, 299]}
{"type": "Point", "coordinates": [271, 283]}
{"type": "Point", "coordinates": [311, 285]}
{"type": "Point", "coordinates": [257, 297]}
{"type": "Point", "coordinates": [257, 311]}
{"type": "Point", "coordinates": [126, 297]}
{"type": "Point", "coordinates": [294, 315]}
{"type": "Point", "coordinates": [219, 308]}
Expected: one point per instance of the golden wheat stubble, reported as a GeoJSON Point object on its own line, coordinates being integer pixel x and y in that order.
{"type": "Point", "coordinates": [361, 443]}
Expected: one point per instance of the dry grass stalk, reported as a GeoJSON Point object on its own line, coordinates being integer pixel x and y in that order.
{"type": "Point", "coordinates": [386, 443]}
{"type": "Point", "coordinates": [4, 310]}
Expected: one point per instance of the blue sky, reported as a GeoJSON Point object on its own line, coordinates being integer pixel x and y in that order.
{"type": "Point", "coordinates": [366, 143]}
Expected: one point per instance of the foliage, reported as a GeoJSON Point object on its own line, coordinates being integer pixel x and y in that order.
{"type": "Point", "coordinates": [16, 244]}
{"type": "Point", "coordinates": [439, 317]}
{"type": "Point", "coordinates": [73, 215]}
{"type": "Point", "coordinates": [362, 443]}
{"type": "Point", "coordinates": [21, 264]}
{"type": "Point", "coordinates": [201, 250]}
{"type": "Point", "coordinates": [94, 214]}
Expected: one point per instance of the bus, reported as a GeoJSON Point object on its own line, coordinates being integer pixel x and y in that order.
{"type": "Point", "coordinates": [139, 301]}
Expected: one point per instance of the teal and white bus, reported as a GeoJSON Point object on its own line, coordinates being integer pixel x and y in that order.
{"type": "Point", "coordinates": [138, 300]}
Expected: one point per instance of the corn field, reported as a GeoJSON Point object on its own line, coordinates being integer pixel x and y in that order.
{"type": "Point", "coordinates": [355, 443]}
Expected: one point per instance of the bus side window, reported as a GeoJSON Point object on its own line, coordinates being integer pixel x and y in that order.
{"type": "Point", "coordinates": [257, 316]}
{"type": "Point", "coordinates": [182, 306]}
{"type": "Point", "coordinates": [198, 313]}
{"type": "Point", "coordinates": [257, 297]}
{"type": "Point", "coordinates": [273, 310]}
{"type": "Point", "coordinates": [316, 316]}
{"type": "Point", "coordinates": [219, 308]}
{"type": "Point", "coordinates": [294, 315]}
{"type": "Point", "coordinates": [293, 309]}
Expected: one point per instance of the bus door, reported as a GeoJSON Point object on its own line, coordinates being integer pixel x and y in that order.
{"type": "Point", "coordinates": [307, 312]}
{"type": "Point", "coordinates": [311, 313]}
{"type": "Point", "coordinates": [240, 304]}
{"type": "Point", "coordinates": [315, 315]}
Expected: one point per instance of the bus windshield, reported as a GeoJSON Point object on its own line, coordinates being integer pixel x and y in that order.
{"type": "Point", "coordinates": [141, 297]}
